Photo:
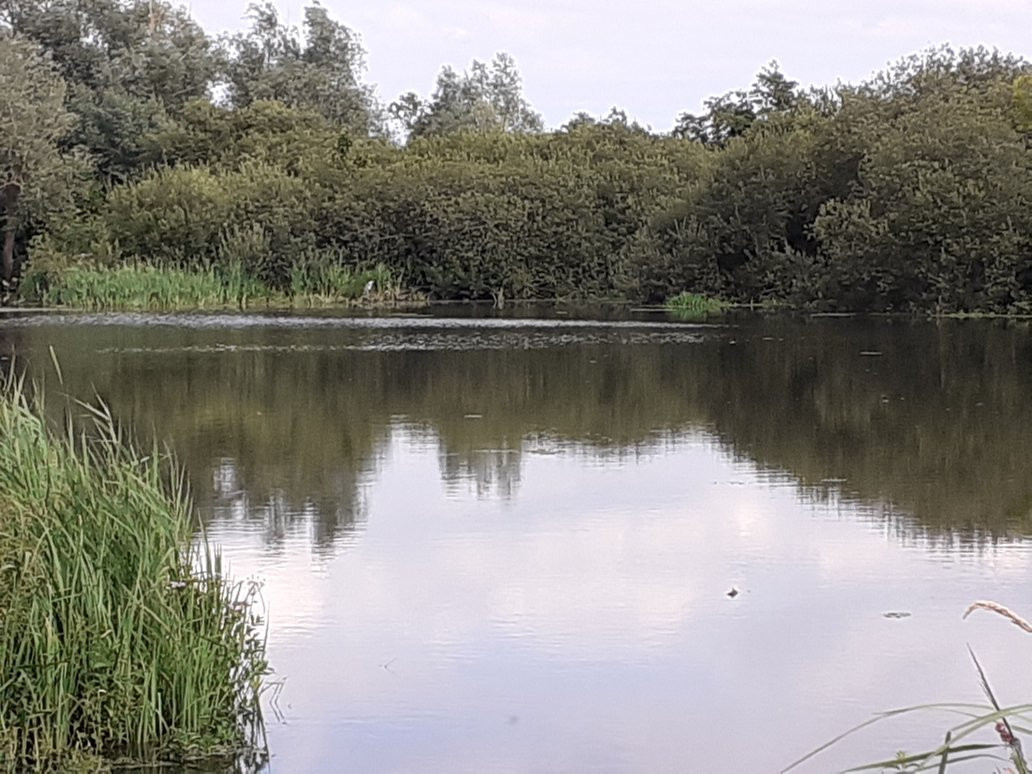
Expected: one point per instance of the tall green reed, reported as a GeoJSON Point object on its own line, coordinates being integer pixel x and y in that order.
{"type": "Point", "coordinates": [227, 284]}
{"type": "Point", "coordinates": [686, 303]}
{"type": "Point", "coordinates": [132, 287]}
{"type": "Point", "coordinates": [324, 277]}
{"type": "Point", "coordinates": [120, 637]}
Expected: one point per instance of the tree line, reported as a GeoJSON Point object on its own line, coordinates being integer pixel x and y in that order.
{"type": "Point", "coordinates": [132, 135]}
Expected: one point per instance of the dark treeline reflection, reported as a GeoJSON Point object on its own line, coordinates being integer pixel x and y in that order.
{"type": "Point", "coordinates": [285, 422]}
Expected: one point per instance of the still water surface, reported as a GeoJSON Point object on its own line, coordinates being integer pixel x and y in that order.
{"type": "Point", "coordinates": [506, 544]}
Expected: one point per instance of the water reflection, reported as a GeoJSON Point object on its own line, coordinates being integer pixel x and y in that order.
{"type": "Point", "coordinates": [584, 624]}
{"type": "Point", "coordinates": [933, 420]}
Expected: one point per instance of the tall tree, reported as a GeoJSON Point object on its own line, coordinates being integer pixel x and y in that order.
{"type": "Point", "coordinates": [130, 65]}
{"type": "Point", "coordinates": [487, 97]}
{"type": "Point", "coordinates": [733, 114]}
{"type": "Point", "coordinates": [32, 167]}
{"type": "Point", "coordinates": [772, 92]}
{"type": "Point", "coordinates": [320, 69]}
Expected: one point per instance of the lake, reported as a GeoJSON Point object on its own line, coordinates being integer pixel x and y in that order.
{"type": "Point", "coordinates": [508, 544]}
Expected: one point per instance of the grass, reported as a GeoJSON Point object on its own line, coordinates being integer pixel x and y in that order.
{"type": "Point", "coordinates": [144, 287]}
{"type": "Point", "coordinates": [131, 287]}
{"type": "Point", "coordinates": [120, 638]}
{"type": "Point", "coordinates": [694, 304]}
{"type": "Point", "coordinates": [335, 282]}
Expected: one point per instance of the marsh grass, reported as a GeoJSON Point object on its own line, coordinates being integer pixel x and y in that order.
{"type": "Point", "coordinates": [120, 638]}
{"type": "Point", "coordinates": [333, 281]}
{"type": "Point", "coordinates": [694, 305]}
{"type": "Point", "coordinates": [229, 284]}
{"type": "Point", "coordinates": [131, 287]}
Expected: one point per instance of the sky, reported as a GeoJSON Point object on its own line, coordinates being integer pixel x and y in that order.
{"type": "Point", "coordinates": [652, 58]}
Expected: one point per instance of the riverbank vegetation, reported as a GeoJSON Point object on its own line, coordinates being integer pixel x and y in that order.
{"type": "Point", "coordinates": [138, 138]}
{"type": "Point", "coordinates": [118, 642]}
{"type": "Point", "coordinates": [694, 304]}
{"type": "Point", "coordinates": [146, 287]}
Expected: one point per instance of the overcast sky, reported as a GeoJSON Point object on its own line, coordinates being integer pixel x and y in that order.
{"type": "Point", "coordinates": [652, 58]}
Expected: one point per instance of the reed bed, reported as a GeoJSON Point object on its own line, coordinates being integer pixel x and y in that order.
{"type": "Point", "coordinates": [134, 287]}
{"type": "Point", "coordinates": [120, 638]}
{"type": "Point", "coordinates": [145, 287]}
{"type": "Point", "coordinates": [695, 304]}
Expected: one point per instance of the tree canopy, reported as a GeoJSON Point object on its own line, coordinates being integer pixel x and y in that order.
{"type": "Point", "coordinates": [35, 176]}
{"type": "Point", "coordinates": [319, 69]}
{"type": "Point", "coordinates": [486, 97]}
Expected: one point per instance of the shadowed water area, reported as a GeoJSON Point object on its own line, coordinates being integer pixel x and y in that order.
{"type": "Point", "coordinates": [500, 544]}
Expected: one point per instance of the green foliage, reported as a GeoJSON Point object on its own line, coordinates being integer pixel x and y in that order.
{"type": "Point", "coordinates": [486, 98]}
{"type": "Point", "coordinates": [457, 216]}
{"type": "Point", "coordinates": [36, 178]}
{"type": "Point", "coordinates": [197, 216]}
{"type": "Point", "coordinates": [263, 131]}
{"type": "Point", "coordinates": [1023, 103]}
{"type": "Point", "coordinates": [319, 279]}
{"type": "Point", "coordinates": [733, 114]}
{"type": "Point", "coordinates": [938, 217]}
{"type": "Point", "coordinates": [130, 65]}
{"type": "Point", "coordinates": [118, 639]}
{"type": "Point", "coordinates": [694, 304]}
{"type": "Point", "coordinates": [907, 193]}
{"type": "Point", "coordinates": [319, 71]}
{"type": "Point", "coordinates": [743, 232]}
{"type": "Point", "coordinates": [130, 287]}
{"type": "Point", "coordinates": [144, 287]}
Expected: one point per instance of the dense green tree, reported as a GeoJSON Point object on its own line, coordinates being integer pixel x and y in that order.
{"type": "Point", "coordinates": [1022, 102]}
{"type": "Point", "coordinates": [940, 71]}
{"type": "Point", "coordinates": [487, 97]}
{"type": "Point", "coordinates": [744, 231]}
{"type": "Point", "coordinates": [34, 175]}
{"type": "Point", "coordinates": [734, 113]}
{"type": "Point", "coordinates": [264, 131]}
{"type": "Point", "coordinates": [907, 192]}
{"type": "Point", "coordinates": [940, 218]}
{"type": "Point", "coordinates": [131, 66]}
{"type": "Point", "coordinates": [319, 69]}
